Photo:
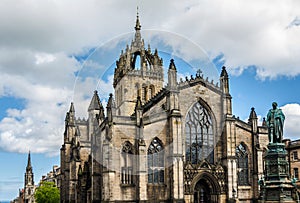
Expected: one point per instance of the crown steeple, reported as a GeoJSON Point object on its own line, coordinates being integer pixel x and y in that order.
{"type": "Point", "coordinates": [142, 71]}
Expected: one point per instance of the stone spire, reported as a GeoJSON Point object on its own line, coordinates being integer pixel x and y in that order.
{"type": "Point", "coordinates": [110, 108]}
{"type": "Point", "coordinates": [95, 102]}
{"type": "Point", "coordinates": [29, 167]}
{"type": "Point", "coordinates": [70, 117]}
{"type": "Point", "coordinates": [137, 27]}
{"type": "Point", "coordinates": [72, 109]}
{"type": "Point", "coordinates": [137, 23]}
{"type": "Point", "coordinates": [138, 43]}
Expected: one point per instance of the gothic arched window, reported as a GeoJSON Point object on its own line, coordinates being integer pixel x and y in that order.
{"type": "Point", "coordinates": [156, 172]}
{"type": "Point", "coordinates": [242, 164]}
{"type": "Point", "coordinates": [127, 163]}
{"type": "Point", "coordinates": [199, 135]}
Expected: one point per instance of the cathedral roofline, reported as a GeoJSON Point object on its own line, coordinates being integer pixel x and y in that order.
{"type": "Point", "coordinates": [192, 81]}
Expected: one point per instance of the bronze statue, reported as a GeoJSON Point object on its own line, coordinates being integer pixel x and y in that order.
{"type": "Point", "coordinates": [275, 121]}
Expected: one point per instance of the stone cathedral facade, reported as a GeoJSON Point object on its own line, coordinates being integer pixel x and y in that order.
{"type": "Point", "coordinates": [156, 143]}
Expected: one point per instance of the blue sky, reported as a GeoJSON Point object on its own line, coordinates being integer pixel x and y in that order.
{"type": "Point", "coordinates": [52, 53]}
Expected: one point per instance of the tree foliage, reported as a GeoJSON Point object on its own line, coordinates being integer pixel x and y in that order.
{"type": "Point", "coordinates": [47, 192]}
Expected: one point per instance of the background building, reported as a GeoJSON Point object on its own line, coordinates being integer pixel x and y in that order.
{"type": "Point", "coordinates": [293, 149]}
{"type": "Point", "coordinates": [178, 143]}
{"type": "Point", "coordinates": [53, 176]}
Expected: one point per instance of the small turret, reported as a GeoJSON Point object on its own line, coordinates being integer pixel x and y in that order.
{"type": "Point", "coordinates": [96, 107]}
{"type": "Point", "coordinates": [253, 120]}
{"type": "Point", "coordinates": [224, 81]}
{"type": "Point", "coordinates": [110, 109]}
{"type": "Point", "coordinates": [71, 115]}
{"type": "Point", "coordinates": [69, 124]}
{"type": "Point", "coordinates": [172, 97]}
{"type": "Point", "coordinates": [172, 75]}
{"type": "Point", "coordinates": [95, 102]}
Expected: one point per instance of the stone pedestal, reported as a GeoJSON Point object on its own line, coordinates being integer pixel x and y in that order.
{"type": "Point", "coordinates": [277, 186]}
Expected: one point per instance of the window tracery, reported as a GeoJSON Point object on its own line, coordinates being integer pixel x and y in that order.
{"type": "Point", "coordinates": [242, 162]}
{"type": "Point", "coordinates": [199, 135]}
{"type": "Point", "coordinates": [156, 162]}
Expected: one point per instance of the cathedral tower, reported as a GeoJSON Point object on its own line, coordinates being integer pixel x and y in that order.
{"type": "Point", "coordinates": [139, 72]}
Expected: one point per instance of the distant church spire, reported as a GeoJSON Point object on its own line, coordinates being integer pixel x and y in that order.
{"type": "Point", "coordinates": [29, 167]}
{"type": "Point", "coordinates": [28, 182]}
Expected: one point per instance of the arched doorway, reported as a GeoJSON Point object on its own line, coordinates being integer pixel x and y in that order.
{"type": "Point", "coordinates": [202, 192]}
{"type": "Point", "coordinates": [206, 189]}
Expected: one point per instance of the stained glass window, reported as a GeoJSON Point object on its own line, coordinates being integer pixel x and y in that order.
{"type": "Point", "coordinates": [242, 159]}
{"type": "Point", "coordinates": [199, 135]}
{"type": "Point", "coordinates": [156, 162]}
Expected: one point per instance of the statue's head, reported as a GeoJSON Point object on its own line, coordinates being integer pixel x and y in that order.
{"type": "Point", "coordinates": [274, 104]}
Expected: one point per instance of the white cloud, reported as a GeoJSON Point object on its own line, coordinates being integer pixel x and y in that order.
{"type": "Point", "coordinates": [44, 58]}
{"type": "Point", "coordinates": [292, 120]}
{"type": "Point", "coordinates": [38, 39]}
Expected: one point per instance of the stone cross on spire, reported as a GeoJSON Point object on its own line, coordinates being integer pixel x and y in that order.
{"type": "Point", "coordinates": [199, 71]}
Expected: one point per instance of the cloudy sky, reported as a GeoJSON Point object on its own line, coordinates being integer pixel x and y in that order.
{"type": "Point", "coordinates": [44, 44]}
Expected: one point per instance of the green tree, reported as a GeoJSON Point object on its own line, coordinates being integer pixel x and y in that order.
{"type": "Point", "coordinates": [47, 192]}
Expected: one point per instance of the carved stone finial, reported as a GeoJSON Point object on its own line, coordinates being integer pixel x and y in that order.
{"type": "Point", "coordinates": [224, 72]}
{"type": "Point", "coordinates": [172, 65]}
